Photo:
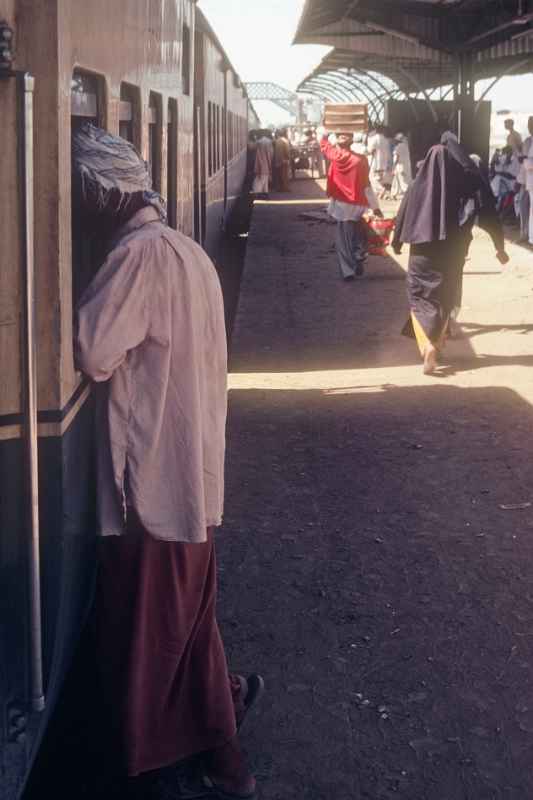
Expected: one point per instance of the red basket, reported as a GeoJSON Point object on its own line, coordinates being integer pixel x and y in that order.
{"type": "Point", "coordinates": [378, 234]}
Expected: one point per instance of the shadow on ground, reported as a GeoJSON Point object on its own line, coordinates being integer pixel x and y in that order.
{"type": "Point", "coordinates": [306, 317]}
{"type": "Point", "coordinates": [369, 570]}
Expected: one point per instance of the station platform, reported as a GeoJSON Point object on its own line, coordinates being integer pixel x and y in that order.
{"type": "Point", "coordinates": [376, 558]}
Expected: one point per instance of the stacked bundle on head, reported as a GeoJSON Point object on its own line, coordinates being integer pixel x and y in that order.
{"type": "Point", "coordinates": [346, 117]}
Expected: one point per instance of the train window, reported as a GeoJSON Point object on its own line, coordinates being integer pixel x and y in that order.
{"type": "Point", "coordinates": [217, 143]}
{"type": "Point", "coordinates": [224, 143]}
{"type": "Point", "coordinates": [210, 138]}
{"type": "Point", "coordinates": [172, 163]}
{"type": "Point", "coordinates": [214, 138]}
{"type": "Point", "coordinates": [86, 98]}
{"type": "Point", "coordinates": [214, 132]}
{"type": "Point", "coordinates": [129, 116]}
{"type": "Point", "coordinates": [186, 60]}
{"type": "Point", "coordinates": [87, 104]}
{"type": "Point", "coordinates": [155, 131]}
{"type": "Point", "coordinates": [222, 136]}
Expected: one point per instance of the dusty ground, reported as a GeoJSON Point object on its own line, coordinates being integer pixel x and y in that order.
{"type": "Point", "coordinates": [368, 567]}
{"type": "Point", "coordinates": [372, 565]}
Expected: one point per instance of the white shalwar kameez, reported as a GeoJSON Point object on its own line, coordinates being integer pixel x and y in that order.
{"type": "Point", "coordinates": [379, 148]}
{"type": "Point", "coordinates": [528, 169]}
{"type": "Point", "coordinates": [402, 167]}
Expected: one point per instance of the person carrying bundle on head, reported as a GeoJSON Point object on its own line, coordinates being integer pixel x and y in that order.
{"type": "Point", "coordinates": [351, 196]}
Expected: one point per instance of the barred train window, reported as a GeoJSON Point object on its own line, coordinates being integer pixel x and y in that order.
{"type": "Point", "coordinates": [155, 136]}
{"type": "Point", "coordinates": [218, 139]}
{"type": "Point", "coordinates": [210, 138]}
{"type": "Point", "coordinates": [129, 114]}
{"type": "Point", "coordinates": [87, 104]}
{"type": "Point", "coordinates": [214, 138]}
{"type": "Point", "coordinates": [186, 60]}
{"type": "Point", "coordinates": [86, 98]}
{"type": "Point", "coordinates": [172, 163]}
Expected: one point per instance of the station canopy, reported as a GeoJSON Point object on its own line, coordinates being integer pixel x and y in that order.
{"type": "Point", "coordinates": [397, 48]}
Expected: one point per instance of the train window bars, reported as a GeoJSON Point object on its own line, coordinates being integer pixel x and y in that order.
{"type": "Point", "coordinates": [129, 114]}
{"type": "Point", "coordinates": [87, 98]}
{"type": "Point", "coordinates": [155, 138]}
{"type": "Point", "coordinates": [87, 104]}
{"type": "Point", "coordinates": [172, 163]}
{"type": "Point", "coordinates": [218, 139]}
{"type": "Point", "coordinates": [186, 60]}
{"type": "Point", "coordinates": [210, 138]}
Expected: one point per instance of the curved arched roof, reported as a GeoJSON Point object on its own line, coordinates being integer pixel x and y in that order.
{"type": "Point", "coordinates": [418, 44]}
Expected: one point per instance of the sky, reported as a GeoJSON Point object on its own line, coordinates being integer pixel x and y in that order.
{"type": "Point", "coordinates": [257, 35]}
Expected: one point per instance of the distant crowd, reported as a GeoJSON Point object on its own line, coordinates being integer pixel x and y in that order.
{"type": "Point", "coordinates": [275, 157]}
{"type": "Point", "coordinates": [511, 175]}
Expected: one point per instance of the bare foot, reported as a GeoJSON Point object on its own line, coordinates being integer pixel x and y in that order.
{"type": "Point", "coordinates": [430, 359]}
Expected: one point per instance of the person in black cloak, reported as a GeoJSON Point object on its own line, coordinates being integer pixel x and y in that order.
{"type": "Point", "coordinates": [436, 218]}
{"type": "Point", "coordinates": [150, 334]}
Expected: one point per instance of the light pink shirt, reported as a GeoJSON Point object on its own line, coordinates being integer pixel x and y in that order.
{"type": "Point", "coordinates": [151, 326]}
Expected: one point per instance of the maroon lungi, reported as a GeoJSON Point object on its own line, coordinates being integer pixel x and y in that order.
{"type": "Point", "coordinates": [161, 659]}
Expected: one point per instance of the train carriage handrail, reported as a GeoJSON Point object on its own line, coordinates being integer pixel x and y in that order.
{"type": "Point", "coordinates": [27, 85]}
{"type": "Point", "coordinates": [25, 92]}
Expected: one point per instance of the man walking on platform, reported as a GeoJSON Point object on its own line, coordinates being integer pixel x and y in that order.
{"type": "Point", "coordinates": [514, 140]}
{"type": "Point", "coordinates": [150, 333]}
{"type": "Point", "coordinates": [264, 155]}
{"type": "Point", "coordinates": [282, 160]}
{"type": "Point", "coordinates": [351, 195]}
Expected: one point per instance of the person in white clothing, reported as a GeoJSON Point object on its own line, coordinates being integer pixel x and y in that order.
{"type": "Point", "coordinates": [380, 153]}
{"type": "Point", "coordinates": [514, 140]}
{"type": "Point", "coordinates": [402, 166]}
{"type": "Point", "coordinates": [264, 156]}
{"type": "Point", "coordinates": [527, 164]}
{"type": "Point", "coordinates": [505, 167]}
{"type": "Point", "coordinates": [523, 197]}
{"type": "Point", "coordinates": [358, 145]}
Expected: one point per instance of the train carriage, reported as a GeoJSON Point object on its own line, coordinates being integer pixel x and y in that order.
{"type": "Point", "coordinates": [221, 104]}
{"type": "Point", "coordinates": [153, 71]}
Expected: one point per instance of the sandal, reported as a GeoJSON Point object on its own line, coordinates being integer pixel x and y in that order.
{"type": "Point", "coordinates": [222, 794]}
{"type": "Point", "coordinates": [203, 786]}
{"type": "Point", "coordinates": [252, 688]}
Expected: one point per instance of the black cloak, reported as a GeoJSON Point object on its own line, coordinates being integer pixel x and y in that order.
{"type": "Point", "coordinates": [430, 209]}
{"type": "Point", "coordinates": [477, 188]}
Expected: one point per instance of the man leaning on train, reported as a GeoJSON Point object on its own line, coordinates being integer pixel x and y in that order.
{"type": "Point", "coordinates": [150, 333]}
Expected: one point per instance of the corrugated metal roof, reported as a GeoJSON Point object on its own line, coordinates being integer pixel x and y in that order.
{"type": "Point", "coordinates": [449, 26]}
{"type": "Point", "coordinates": [418, 43]}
